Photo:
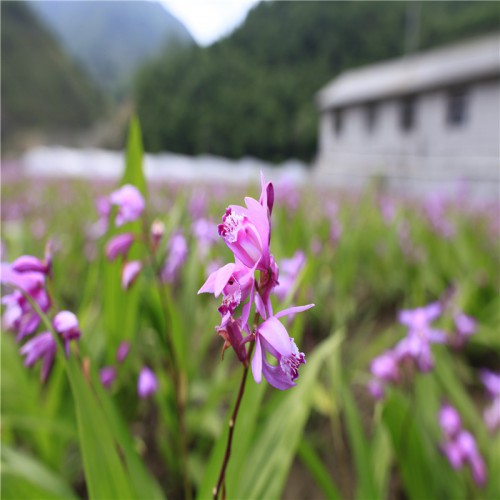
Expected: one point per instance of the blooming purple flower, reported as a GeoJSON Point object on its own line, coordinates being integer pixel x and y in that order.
{"type": "Point", "coordinates": [376, 389]}
{"type": "Point", "coordinates": [130, 272]}
{"type": "Point", "coordinates": [119, 245]}
{"type": "Point", "coordinates": [177, 255]}
{"type": "Point", "coordinates": [122, 351]}
{"type": "Point", "coordinates": [42, 346]}
{"type": "Point", "coordinates": [235, 282]}
{"type": "Point", "coordinates": [459, 445]}
{"type": "Point", "coordinates": [19, 315]}
{"type": "Point", "coordinates": [107, 375]}
{"type": "Point", "coordinates": [246, 231]}
{"type": "Point", "coordinates": [66, 325]}
{"type": "Point", "coordinates": [130, 204]}
{"type": "Point", "coordinates": [147, 384]}
{"type": "Point", "coordinates": [385, 367]}
{"type": "Point", "coordinates": [271, 337]}
{"type": "Point", "coordinates": [420, 335]}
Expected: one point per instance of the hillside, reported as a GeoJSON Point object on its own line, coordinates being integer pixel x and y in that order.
{"type": "Point", "coordinates": [111, 39]}
{"type": "Point", "coordinates": [41, 86]}
{"type": "Point", "coordinates": [252, 93]}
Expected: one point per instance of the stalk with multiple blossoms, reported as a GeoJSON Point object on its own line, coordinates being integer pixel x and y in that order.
{"type": "Point", "coordinates": [247, 233]}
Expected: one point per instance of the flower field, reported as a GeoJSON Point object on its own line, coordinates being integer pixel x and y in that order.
{"type": "Point", "coordinates": [120, 380]}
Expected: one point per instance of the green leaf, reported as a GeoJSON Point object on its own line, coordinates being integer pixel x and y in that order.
{"type": "Point", "coordinates": [25, 477]}
{"type": "Point", "coordinates": [102, 455]}
{"type": "Point", "coordinates": [317, 469]}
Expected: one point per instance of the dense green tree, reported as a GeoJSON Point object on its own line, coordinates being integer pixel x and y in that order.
{"type": "Point", "coordinates": [252, 93]}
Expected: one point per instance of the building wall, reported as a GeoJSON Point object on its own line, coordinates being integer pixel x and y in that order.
{"type": "Point", "coordinates": [432, 151]}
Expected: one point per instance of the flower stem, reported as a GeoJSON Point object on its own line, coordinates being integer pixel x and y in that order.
{"type": "Point", "coordinates": [232, 423]}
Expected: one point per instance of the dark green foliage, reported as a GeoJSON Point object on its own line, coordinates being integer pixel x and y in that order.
{"type": "Point", "coordinates": [253, 92]}
{"type": "Point", "coordinates": [41, 86]}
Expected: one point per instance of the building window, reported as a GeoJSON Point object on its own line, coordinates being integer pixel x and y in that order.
{"type": "Point", "coordinates": [457, 105]}
{"type": "Point", "coordinates": [371, 116]}
{"type": "Point", "coordinates": [408, 111]}
{"type": "Point", "coordinates": [338, 120]}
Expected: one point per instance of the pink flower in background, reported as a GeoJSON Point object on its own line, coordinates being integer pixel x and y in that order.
{"type": "Point", "coordinates": [147, 384]}
{"type": "Point", "coordinates": [386, 367]}
{"type": "Point", "coordinates": [272, 338]}
{"type": "Point", "coordinates": [42, 347]}
{"type": "Point", "coordinates": [177, 255]}
{"type": "Point", "coordinates": [157, 232]}
{"type": "Point", "coordinates": [205, 232]}
{"type": "Point", "coordinates": [130, 272]}
{"type": "Point", "coordinates": [130, 204]}
{"type": "Point", "coordinates": [99, 228]}
{"type": "Point", "coordinates": [19, 315]}
{"type": "Point", "coordinates": [465, 327]}
{"type": "Point", "coordinates": [119, 246]}
{"type": "Point", "coordinates": [66, 325]}
{"type": "Point", "coordinates": [420, 335]}
{"type": "Point", "coordinates": [459, 445]}
{"type": "Point", "coordinates": [491, 415]}
{"type": "Point", "coordinates": [449, 420]}
{"type": "Point", "coordinates": [107, 375]}
{"type": "Point", "coordinates": [122, 351]}
{"type": "Point", "coordinates": [289, 271]}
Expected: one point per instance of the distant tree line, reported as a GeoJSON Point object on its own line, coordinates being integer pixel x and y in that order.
{"type": "Point", "coordinates": [252, 93]}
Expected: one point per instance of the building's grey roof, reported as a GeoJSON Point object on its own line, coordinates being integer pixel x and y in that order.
{"type": "Point", "coordinates": [453, 64]}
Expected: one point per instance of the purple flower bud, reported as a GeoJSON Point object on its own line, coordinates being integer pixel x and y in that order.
{"type": "Point", "coordinates": [130, 272]}
{"type": "Point", "coordinates": [66, 325]}
{"type": "Point", "coordinates": [157, 232]}
{"type": "Point", "coordinates": [466, 326]}
{"type": "Point", "coordinates": [449, 420]}
{"type": "Point", "coordinates": [107, 376]}
{"type": "Point", "coordinates": [130, 204]}
{"type": "Point", "coordinates": [122, 351]}
{"type": "Point", "coordinates": [119, 245]}
{"type": "Point", "coordinates": [177, 254]}
{"type": "Point", "coordinates": [491, 415]}
{"type": "Point", "coordinates": [28, 263]}
{"type": "Point", "coordinates": [43, 347]}
{"type": "Point", "coordinates": [147, 384]}
{"type": "Point", "coordinates": [376, 389]}
{"type": "Point", "coordinates": [491, 381]}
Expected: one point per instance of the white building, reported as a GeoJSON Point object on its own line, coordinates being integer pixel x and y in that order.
{"type": "Point", "coordinates": [421, 122]}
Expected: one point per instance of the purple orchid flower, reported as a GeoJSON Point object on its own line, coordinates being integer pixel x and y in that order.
{"type": "Point", "coordinates": [147, 384]}
{"type": "Point", "coordinates": [246, 231]}
{"type": "Point", "coordinates": [19, 315]}
{"type": "Point", "coordinates": [130, 204]}
{"type": "Point", "coordinates": [420, 335]}
{"type": "Point", "coordinates": [42, 346]}
{"type": "Point", "coordinates": [235, 282]}
{"type": "Point", "coordinates": [385, 367]}
{"type": "Point", "coordinates": [465, 327]}
{"type": "Point", "coordinates": [271, 337]}
{"type": "Point", "coordinates": [119, 245]}
{"type": "Point", "coordinates": [459, 446]}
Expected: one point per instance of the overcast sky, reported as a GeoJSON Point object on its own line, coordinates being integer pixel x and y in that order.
{"type": "Point", "coordinates": [209, 20]}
